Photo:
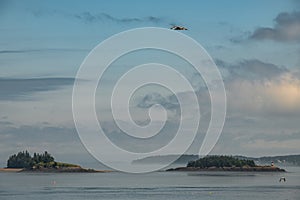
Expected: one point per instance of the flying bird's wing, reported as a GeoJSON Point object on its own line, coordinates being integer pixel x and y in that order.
{"type": "Point", "coordinates": [178, 28]}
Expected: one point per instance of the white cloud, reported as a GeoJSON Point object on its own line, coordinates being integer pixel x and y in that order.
{"type": "Point", "coordinates": [280, 95]}
{"type": "Point", "coordinates": [286, 28]}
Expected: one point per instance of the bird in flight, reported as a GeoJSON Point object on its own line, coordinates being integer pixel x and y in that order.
{"type": "Point", "coordinates": [180, 28]}
{"type": "Point", "coordinates": [282, 179]}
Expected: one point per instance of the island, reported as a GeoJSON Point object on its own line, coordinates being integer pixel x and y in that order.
{"type": "Point", "coordinates": [282, 160]}
{"type": "Point", "coordinates": [226, 163]}
{"type": "Point", "coordinates": [44, 162]}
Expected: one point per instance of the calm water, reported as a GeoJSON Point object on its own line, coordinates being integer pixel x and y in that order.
{"type": "Point", "coordinates": [158, 185]}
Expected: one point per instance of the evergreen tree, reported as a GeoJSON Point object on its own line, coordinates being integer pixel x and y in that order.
{"type": "Point", "coordinates": [220, 161]}
{"type": "Point", "coordinates": [24, 160]}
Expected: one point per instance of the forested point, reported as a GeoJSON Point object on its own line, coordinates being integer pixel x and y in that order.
{"type": "Point", "coordinates": [220, 161]}
{"type": "Point", "coordinates": [25, 160]}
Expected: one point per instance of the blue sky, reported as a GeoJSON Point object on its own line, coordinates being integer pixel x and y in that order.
{"type": "Point", "coordinates": [49, 29]}
{"type": "Point", "coordinates": [254, 43]}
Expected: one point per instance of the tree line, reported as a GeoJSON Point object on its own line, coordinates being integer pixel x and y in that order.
{"type": "Point", "coordinates": [25, 160]}
{"type": "Point", "coordinates": [220, 161]}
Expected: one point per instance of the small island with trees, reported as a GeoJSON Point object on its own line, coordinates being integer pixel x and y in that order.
{"type": "Point", "coordinates": [44, 162]}
{"type": "Point", "coordinates": [226, 163]}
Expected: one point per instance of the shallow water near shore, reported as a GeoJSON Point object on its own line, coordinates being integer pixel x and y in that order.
{"type": "Point", "coordinates": [157, 185]}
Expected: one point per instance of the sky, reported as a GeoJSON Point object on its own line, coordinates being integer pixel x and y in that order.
{"type": "Point", "coordinates": [255, 45]}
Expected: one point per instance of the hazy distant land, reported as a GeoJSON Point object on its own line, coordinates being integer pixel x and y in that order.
{"type": "Point", "coordinates": [286, 160]}
{"type": "Point", "coordinates": [183, 159]}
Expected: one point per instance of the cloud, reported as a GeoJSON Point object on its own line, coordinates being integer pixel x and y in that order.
{"type": "Point", "coordinates": [282, 146]}
{"type": "Point", "coordinates": [286, 28]}
{"type": "Point", "coordinates": [39, 132]}
{"type": "Point", "coordinates": [5, 123]}
{"type": "Point", "coordinates": [278, 96]}
{"type": "Point", "coordinates": [282, 136]}
{"type": "Point", "coordinates": [169, 102]}
{"type": "Point", "coordinates": [39, 50]}
{"type": "Point", "coordinates": [252, 69]}
{"type": "Point", "coordinates": [254, 87]}
{"type": "Point", "coordinates": [23, 89]}
{"type": "Point", "coordinates": [88, 17]}
{"type": "Point", "coordinates": [255, 142]}
{"type": "Point", "coordinates": [123, 140]}
{"type": "Point", "coordinates": [173, 107]}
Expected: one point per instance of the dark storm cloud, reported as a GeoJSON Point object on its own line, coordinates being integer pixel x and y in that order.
{"type": "Point", "coordinates": [22, 89]}
{"type": "Point", "coordinates": [286, 28]}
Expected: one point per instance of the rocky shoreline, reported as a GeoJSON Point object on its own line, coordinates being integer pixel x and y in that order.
{"type": "Point", "coordinates": [229, 169]}
{"type": "Point", "coordinates": [11, 169]}
{"type": "Point", "coordinates": [65, 170]}
{"type": "Point", "coordinates": [55, 170]}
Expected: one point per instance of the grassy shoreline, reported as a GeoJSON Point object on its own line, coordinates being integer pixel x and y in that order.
{"type": "Point", "coordinates": [11, 169]}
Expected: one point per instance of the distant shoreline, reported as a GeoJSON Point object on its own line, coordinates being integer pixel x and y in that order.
{"type": "Point", "coordinates": [228, 169]}
{"type": "Point", "coordinates": [285, 160]}
{"type": "Point", "coordinates": [11, 169]}
{"type": "Point", "coordinates": [52, 170]}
